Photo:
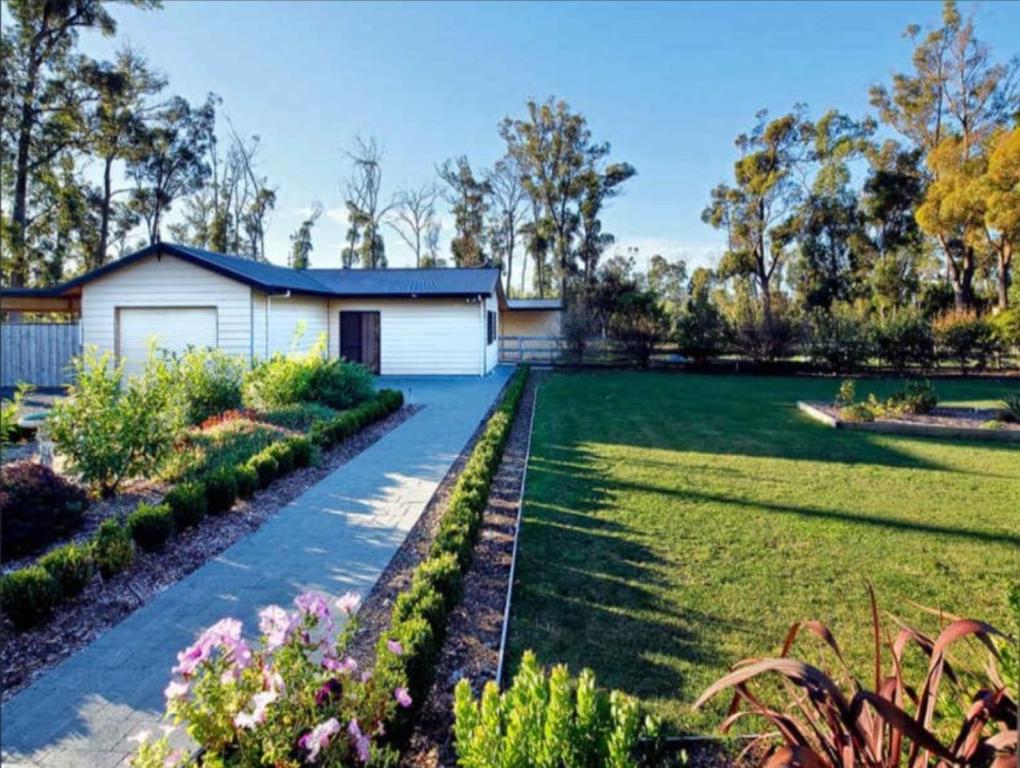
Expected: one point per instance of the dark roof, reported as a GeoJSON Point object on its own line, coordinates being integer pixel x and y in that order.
{"type": "Point", "coordinates": [526, 304]}
{"type": "Point", "coordinates": [272, 278]}
{"type": "Point", "coordinates": [408, 282]}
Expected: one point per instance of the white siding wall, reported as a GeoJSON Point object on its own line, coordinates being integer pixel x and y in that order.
{"type": "Point", "coordinates": [166, 282]}
{"type": "Point", "coordinates": [537, 322]}
{"type": "Point", "coordinates": [420, 336]}
{"type": "Point", "coordinates": [282, 317]}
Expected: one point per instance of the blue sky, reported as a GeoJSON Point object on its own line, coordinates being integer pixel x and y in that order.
{"type": "Point", "coordinates": [668, 84]}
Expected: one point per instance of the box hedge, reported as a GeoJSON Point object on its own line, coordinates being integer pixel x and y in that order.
{"type": "Point", "coordinates": [151, 525]}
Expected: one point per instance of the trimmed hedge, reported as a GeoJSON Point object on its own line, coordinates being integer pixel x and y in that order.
{"type": "Point", "coordinates": [419, 616]}
{"type": "Point", "coordinates": [265, 467]}
{"type": "Point", "coordinates": [112, 548]}
{"type": "Point", "coordinates": [151, 525]}
{"type": "Point", "coordinates": [188, 503]}
{"type": "Point", "coordinates": [71, 565]}
{"type": "Point", "coordinates": [220, 490]}
{"type": "Point", "coordinates": [29, 595]}
{"type": "Point", "coordinates": [247, 480]}
{"type": "Point", "coordinates": [326, 434]}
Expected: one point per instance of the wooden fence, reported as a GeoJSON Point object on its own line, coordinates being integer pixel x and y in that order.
{"type": "Point", "coordinates": [37, 353]}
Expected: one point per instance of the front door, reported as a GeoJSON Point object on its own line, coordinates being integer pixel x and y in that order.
{"type": "Point", "coordinates": [359, 338]}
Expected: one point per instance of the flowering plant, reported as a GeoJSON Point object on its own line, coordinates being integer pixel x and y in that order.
{"type": "Point", "coordinates": [296, 698]}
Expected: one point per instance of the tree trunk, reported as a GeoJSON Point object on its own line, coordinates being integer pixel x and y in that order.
{"type": "Point", "coordinates": [1005, 260]}
{"type": "Point", "coordinates": [509, 258]}
{"type": "Point", "coordinates": [19, 209]}
{"type": "Point", "coordinates": [99, 257]}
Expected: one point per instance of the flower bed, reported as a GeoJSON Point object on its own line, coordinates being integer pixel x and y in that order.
{"type": "Point", "coordinates": [352, 721]}
{"type": "Point", "coordinates": [29, 594]}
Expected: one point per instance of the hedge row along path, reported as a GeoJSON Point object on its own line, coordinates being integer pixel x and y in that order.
{"type": "Point", "coordinates": [336, 537]}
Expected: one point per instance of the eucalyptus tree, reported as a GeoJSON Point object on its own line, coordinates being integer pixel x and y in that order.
{"type": "Point", "coordinates": [469, 197]}
{"type": "Point", "coordinates": [173, 160]}
{"type": "Point", "coordinates": [301, 240]}
{"type": "Point", "coordinates": [366, 211]}
{"type": "Point", "coordinates": [507, 211]}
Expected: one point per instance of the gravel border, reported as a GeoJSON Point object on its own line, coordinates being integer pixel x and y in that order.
{"type": "Point", "coordinates": [24, 656]}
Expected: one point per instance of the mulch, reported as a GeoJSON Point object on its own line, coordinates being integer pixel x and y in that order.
{"type": "Point", "coordinates": [953, 418]}
{"type": "Point", "coordinates": [471, 648]}
{"type": "Point", "coordinates": [24, 656]}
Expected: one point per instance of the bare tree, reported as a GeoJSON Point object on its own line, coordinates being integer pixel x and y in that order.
{"type": "Point", "coordinates": [506, 212]}
{"type": "Point", "coordinates": [363, 200]}
{"type": "Point", "coordinates": [431, 257]}
{"type": "Point", "coordinates": [413, 214]}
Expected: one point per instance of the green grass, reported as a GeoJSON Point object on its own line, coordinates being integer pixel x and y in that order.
{"type": "Point", "coordinates": [675, 524]}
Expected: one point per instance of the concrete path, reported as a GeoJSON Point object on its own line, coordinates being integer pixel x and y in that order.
{"type": "Point", "coordinates": [337, 536]}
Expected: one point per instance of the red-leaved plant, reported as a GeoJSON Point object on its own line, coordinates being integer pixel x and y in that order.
{"type": "Point", "coordinates": [823, 725]}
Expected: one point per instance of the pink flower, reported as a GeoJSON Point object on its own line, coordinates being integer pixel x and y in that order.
{"type": "Point", "coordinates": [402, 696]}
{"type": "Point", "coordinates": [362, 744]}
{"type": "Point", "coordinates": [175, 690]}
{"type": "Point", "coordinates": [258, 714]}
{"type": "Point", "coordinates": [318, 738]}
{"type": "Point", "coordinates": [276, 624]}
{"type": "Point", "coordinates": [395, 647]}
{"type": "Point", "coordinates": [173, 759]}
{"type": "Point", "coordinates": [312, 604]}
{"type": "Point", "coordinates": [348, 602]}
{"type": "Point", "coordinates": [272, 680]}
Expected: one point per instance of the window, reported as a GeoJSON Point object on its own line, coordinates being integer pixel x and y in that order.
{"type": "Point", "coordinates": [491, 327]}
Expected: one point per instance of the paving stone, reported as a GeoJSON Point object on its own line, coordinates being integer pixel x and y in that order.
{"type": "Point", "coordinates": [336, 537]}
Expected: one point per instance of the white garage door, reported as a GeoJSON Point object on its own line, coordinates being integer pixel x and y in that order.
{"type": "Point", "coordinates": [173, 328]}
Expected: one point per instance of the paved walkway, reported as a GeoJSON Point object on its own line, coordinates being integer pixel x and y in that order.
{"type": "Point", "coordinates": [337, 536]}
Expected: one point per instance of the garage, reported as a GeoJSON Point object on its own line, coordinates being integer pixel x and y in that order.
{"type": "Point", "coordinates": [173, 328]}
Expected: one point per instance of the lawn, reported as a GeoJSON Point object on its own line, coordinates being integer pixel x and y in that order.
{"type": "Point", "coordinates": [676, 523]}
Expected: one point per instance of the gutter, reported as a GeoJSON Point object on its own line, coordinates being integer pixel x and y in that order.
{"type": "Point", "coordinates": [500, 668]}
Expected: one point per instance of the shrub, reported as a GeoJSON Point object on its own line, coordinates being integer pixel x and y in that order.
{"type": "Point", "coordinates": [37, 506]}
{"type": "Point", "coordinates": [209, 382]}
{"type": "Point", "coordinates": [903, 339]}
{"type": "Point", "coordinates": [284, 458]}
{"type": "Point", "coordinates": [917, 397]}
{"type": "Point", "coordinates": [341, 427]}
{"type": "Point", "coordinates": [889, 725]}
{"type": "Point", "coordinates": [300, 416]}
{"type": "Point", "coordinates": [9, 414]}
{"type": "Point", "coordinates": [840, 339]}
{"type": "Point", "coordinates": [638, 323]}
{"type": "Point", "coordinates": [701, 327]}
{"type": "Point", "coordinates": [71, 565]}
{"type": "Point", "coordinates": [301, 451]}
{"type": "Point", "coordinates": [151, 525]}
{"type": "Point", "coordinates": [847, 393]}
{"type": "Point", "coordinates": [290, 699]}
{"type": "Point", "coordinates": [28, 596]}
{"type": "Point", "coordinates": [187, 502]}
{"type": "Point", "coordinates": [964, 337]}
{"type": "Point", "coordinates": [1007, 328]}
{"type": "Point", "coordinates": [758, 338]}
{"type": "Point", "coordinates": [247, 479]}
{"type": "Point", "coordinates": [548, 719]}
{"type": "Point", "coordinates": [224, 445]}
{"type": "Point", "coordinates": [109, 429]}
{"type": "Point", "coordinates": [312, 377]}
{"type": "Point", "coordinates": [265, 467]}
{"type": "Point", "coordinates": [112, 548]}
{"type": "Point", "coordinates": [220, 489]}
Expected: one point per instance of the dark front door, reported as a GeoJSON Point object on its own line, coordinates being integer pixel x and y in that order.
{"type": "Point", "coordinates": [359, 338]}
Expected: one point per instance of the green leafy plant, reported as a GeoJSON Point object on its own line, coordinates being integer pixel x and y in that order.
{"type": "Point", "coordinates": [188, 504]}
{"type": "Point", "coordinates": [71, 565]}
{"type": "Point", "coordinates": [109, 429]}
{"type": "Point", "coordinates": [302, 452]}
{"type": "Point", "coordinates": [209, 382]}
{"type": "Point", "coordinates": [247, 480]}
{"type": "Point", "coordinates": [265, 467]}
{"type": "Point", "coordinates": [220, 489]}
{"type": "Point", "coordinates": [151, 525]}
{"type": "Point", "coordinates": [903, 339]}
{"type": "Point", "coordinates": [966, 339]}
{"type": "Point", "coordinates": [832, 719]}
{"type": "Point", "coordinates": [918, 397]}
{"type": "Point", "coordinates": [9, 414]}
{"type": "Point", "coordinates": [224, 444]}
{"type": "Point", "coordinates": [112, 548]}
{"type": "Point", "coordinates": [839, 339]}
{"type": "Point", "coordinates": [37, 506]}
{"type": "Point", "coordinates": [847, 393]}
{"type": "Point", "coordinates": [28, 596]}
{"type": "Point", "coordinates": [284, 458]}
{"type": "Point", "coordinates": [300, 416]}
{"type": "Point", "coordinates": [548, 719]}
{"type": "Point", "coordinates": [1011, 402]}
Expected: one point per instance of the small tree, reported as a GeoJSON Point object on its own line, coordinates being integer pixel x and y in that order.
{"type": "Point", "coordinates": [701, 327]}
{"type": "Point", "coordinates": [638, 323]}
{"type": "Point", "coordinates": [109, 429]}
{"type": "Point", "coordinates": [577, 328]}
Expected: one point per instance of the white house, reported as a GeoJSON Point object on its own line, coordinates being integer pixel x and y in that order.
{"type": "Point", "coordinates": [395, 321]}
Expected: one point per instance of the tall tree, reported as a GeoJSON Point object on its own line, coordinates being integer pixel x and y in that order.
{"type": "Point", "coordinates": [366, 211]}
{"type": "Point", "coordinates": [413, 215]}
{"type": "Point", "coordinates": [758, 210]}
{"type": "Point", "coordinates": [468, 197]}
{"type": "Point", "coordinates": [301, 240]}
{"type": "Point", "coordinates": [668, 280]}
{"type": "Point", "coordinates": [955, 92]}
{"type": "Point", "coordinates": [40, 102]}
{"type": "Point", "coordinates": [598, 187]}
{"type": "Point", "coordinates": [116, 130]}
{"type": "Point", "coordinates": [1000, 192]}
{"type": "Point", "coordinates": [506, 214]}
{"type": "Point", "coordinates": [173, 161]}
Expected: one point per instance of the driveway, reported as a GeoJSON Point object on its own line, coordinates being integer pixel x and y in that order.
{"type": "Point", "coordinates": [336, 537]}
